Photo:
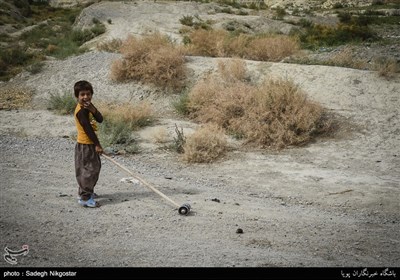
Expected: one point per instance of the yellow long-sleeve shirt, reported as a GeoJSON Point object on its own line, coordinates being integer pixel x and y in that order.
{"type": "Point", "coordinates": [86, 125]}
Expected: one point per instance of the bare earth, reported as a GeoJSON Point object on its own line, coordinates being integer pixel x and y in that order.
{"type": "Point", "coordinates": [332, 203]}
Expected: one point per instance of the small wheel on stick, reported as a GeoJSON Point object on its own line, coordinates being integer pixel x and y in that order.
{"type": "Point", "coordinates": [184, 209]}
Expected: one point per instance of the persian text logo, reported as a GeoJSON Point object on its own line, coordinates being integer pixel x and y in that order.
{"type": "Point", "coordinates": [10, 255]}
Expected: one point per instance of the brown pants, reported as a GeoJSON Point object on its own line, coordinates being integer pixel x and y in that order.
{"type": "Point", "coordinates": [87, 169]}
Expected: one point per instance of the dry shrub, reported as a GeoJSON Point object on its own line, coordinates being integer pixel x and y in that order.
{"type": "Point", "coordinates": [238, 46]}
{"type": "Point", "coordinates": [132, 116]}
{"type": "Point", "coordinates": [205, 145]}
{"type": "Point", "coordinates": [119, 71]}
{"type": "Point", "coordinates": [386, 67]}
{"type": "Point", "coordinates": [223, 88]}
{"type": "Point", "coordinates": [346, 58]}
{"type": "Point", "coordinates": [152, 59]}
{"type": "Point", "coordinates": [214, 101]}
{"type": "Point", "coordinates": [272, 48]}
{"type": "Point", "coordinates": [113, 45]}
{"type": "Point", "coordinates": [208, 42]}
{"type": "Point", "coordinates": [278, 114]}
{"type": "Point", "coordinates": [218, 43]}
{"type": "Point", "coordinates": [275, 114]}
{"type": "Point", "coordinates": [232, 70]}
{"type": "Point", "coordinates": [15, 98]}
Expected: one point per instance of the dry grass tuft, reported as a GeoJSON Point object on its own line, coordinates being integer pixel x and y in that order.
{"type": "Point", "coordinates": [205, 145]}
{"type": "Point", "coordinates": [132, 116]}
{"type": "Point", "coordinates": [220, 43]}
{"type": "Point", "coordinates": [275, 114]}
{"type": "Point", "coordinates": [207, 43]}
{"type": "Point", "coordinates": [272, 48]}
{"type": "Point", "coordinates": [280, 115]}
{"type": "Point", "coordinates": [152, 59]}
{"type": "Point", "coordinates": [346, 58]}
{"type": "Point", "coordinates": [120, 120]}
{"type": "Point", "coordinates": [113, 45]}
{"type": "Point", "coordinates": [15, 98]}
{"type": "Point", "coordinates": [386, 67]}
{"type": "Point", "coordinates": [233, 70]}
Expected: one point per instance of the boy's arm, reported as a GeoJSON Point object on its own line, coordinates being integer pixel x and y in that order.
{"type": "Point", "coordinates": [83, 118]}
{"type": "Point", "coordinates": [96, 114]}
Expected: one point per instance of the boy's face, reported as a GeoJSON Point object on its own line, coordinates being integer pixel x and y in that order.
{"type": "Point", "coordinates": [85, 96]}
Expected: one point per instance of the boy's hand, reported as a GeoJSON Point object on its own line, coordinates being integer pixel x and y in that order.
{"type": "Point", "coordinates": [99, 150]}
{"type": "Point", "coordinates": [88, 105]}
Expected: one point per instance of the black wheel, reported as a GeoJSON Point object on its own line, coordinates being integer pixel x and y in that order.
{"type": "Point", "coordinates": [184, 209]}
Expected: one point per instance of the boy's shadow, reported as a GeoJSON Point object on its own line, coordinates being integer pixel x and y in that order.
{"type": "Point", "coordinates": [122, 197]}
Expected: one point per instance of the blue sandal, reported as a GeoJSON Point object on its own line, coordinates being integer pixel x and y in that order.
{"type": "Point", "coordinates": [88, 203]}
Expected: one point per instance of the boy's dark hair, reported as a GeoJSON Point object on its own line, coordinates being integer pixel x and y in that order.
{"type": "Point", "coordinates": [82, 85]}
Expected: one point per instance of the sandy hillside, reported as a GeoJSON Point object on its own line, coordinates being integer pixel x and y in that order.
{"type": "Point", "coordinates": [331, 203]}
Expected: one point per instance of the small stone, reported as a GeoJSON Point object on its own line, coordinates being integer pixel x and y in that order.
{"type": "Point", "coordinates": [216, 200]}
{"type": "Point", "coordinates": [239, 230]}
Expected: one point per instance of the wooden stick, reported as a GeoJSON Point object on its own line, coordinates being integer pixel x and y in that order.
{"type": "Point", "coordinates": [141, 180]}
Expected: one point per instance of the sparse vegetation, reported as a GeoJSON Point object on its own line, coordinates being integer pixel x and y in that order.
{"type": "Point", "coordinates": [153, 59]}
{"type": "Point", "coordinates": [275, 114]}
{"type": "Point", "coordinates": [195, 22]}
{"type": "Point", "coordinates": [321, 35]}
{"type": "Point", "coordinates": [53, 35]}
{"type": "Point", "coordinates": [63, 104]}
{"type": "Point", "coordinates": [12, 60]}
{"type": "Point", "coordinates": [354, 27]}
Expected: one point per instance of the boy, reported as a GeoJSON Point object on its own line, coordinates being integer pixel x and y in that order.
{"type": "Point", "coordinates": [87, 148]}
